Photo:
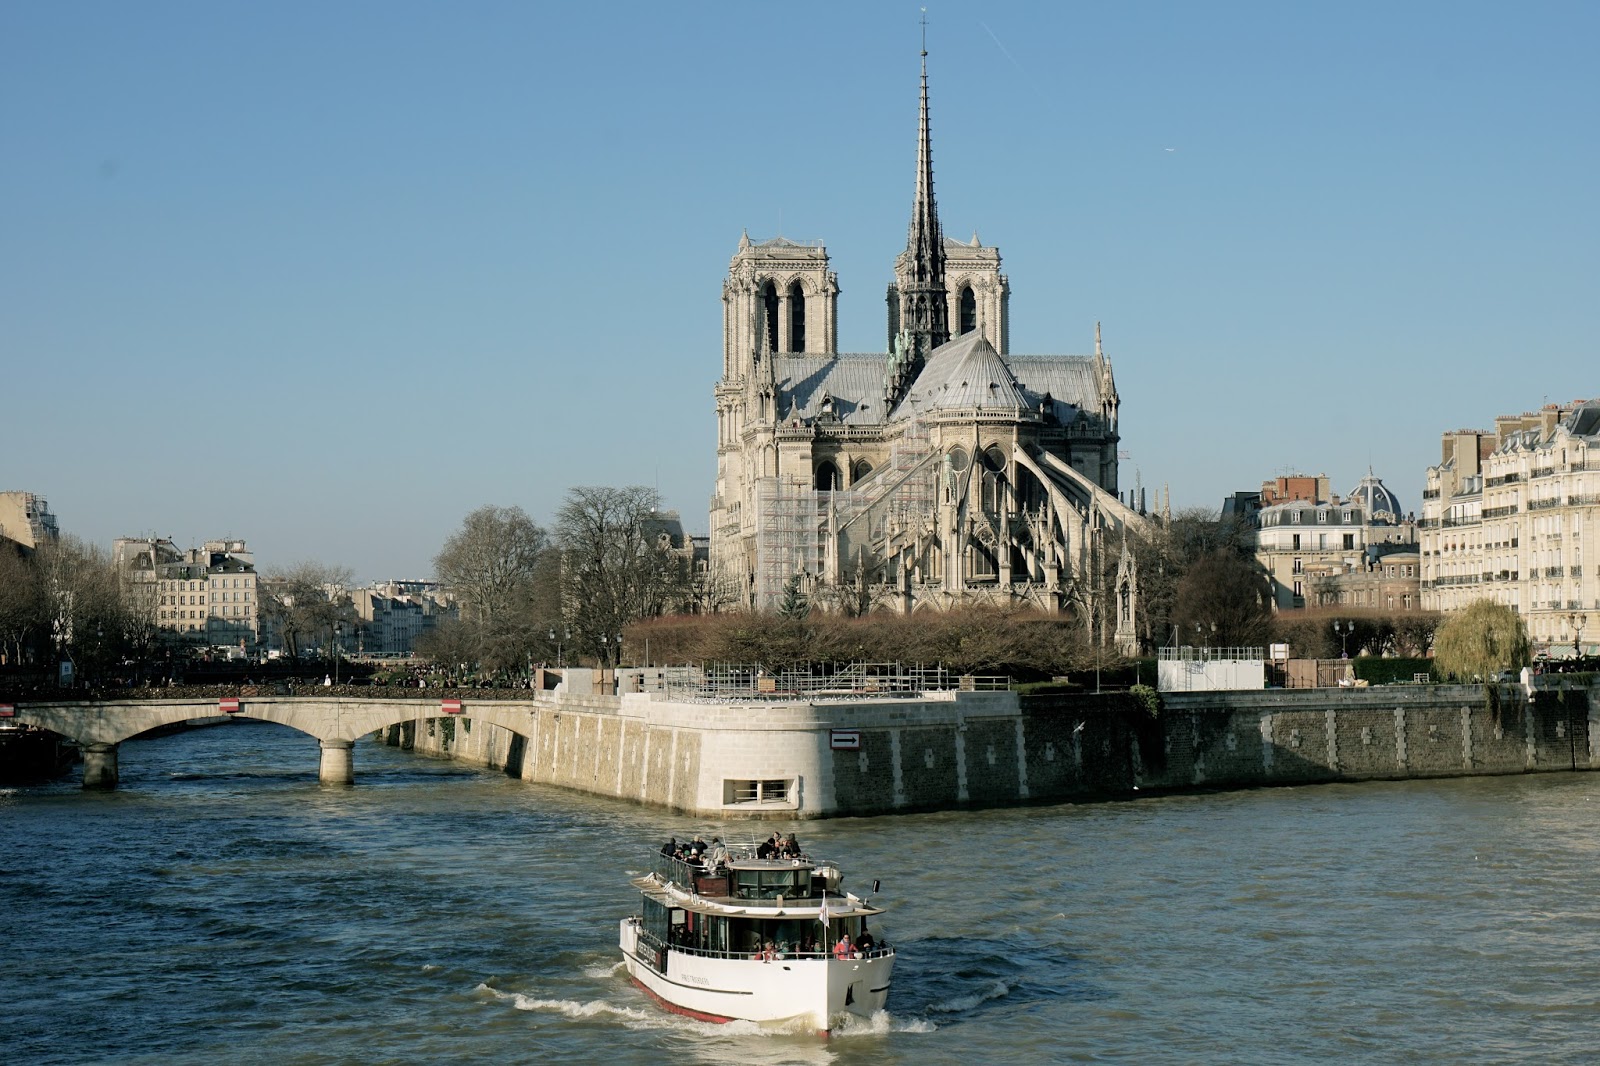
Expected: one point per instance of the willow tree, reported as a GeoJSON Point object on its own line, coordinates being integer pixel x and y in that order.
{"type": "Point", "coordinates": [1480, 641]}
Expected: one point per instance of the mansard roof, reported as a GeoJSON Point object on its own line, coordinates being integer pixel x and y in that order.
{"type": "Point", "coordinates": [1584, 420]}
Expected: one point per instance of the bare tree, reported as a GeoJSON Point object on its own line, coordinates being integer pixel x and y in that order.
{"type": "Point", "coordinates": [491, 561]}
{"type": "Point", "coordinates": [23, 612]}
{"type": "Point", "coordinates": [83, 601]}
{"type": "Point", "coordinates": [307, 603]}
{"type": "Point", "coordinates": [1223, 601]}
{"type": "Point", "coordinates": [615, 565]}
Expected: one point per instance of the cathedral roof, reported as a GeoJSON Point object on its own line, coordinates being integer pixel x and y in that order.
{"type": "Point", "coordinates": [966, 374]}
{"type": "Point", "coordinates": [848, 383]}
{"type": "Point", "coordinates": [1071, 381]}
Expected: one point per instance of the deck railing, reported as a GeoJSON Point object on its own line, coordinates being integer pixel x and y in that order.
{"type": "Point", "coordinates": [650, 946]}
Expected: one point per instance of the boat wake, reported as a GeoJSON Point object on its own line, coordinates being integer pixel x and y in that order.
{"type": "Point", "coordinates": [961, 1004]}
{"type": "Point", "coordinates": [881, 1024]}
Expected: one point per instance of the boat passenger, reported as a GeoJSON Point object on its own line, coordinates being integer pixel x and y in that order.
{"type": "Point", "coordinates": [865, 943]}
{"type": "Point", "coordinates": [768, 848]}
{"type": "Point", "coordinates": [698, 844]}
{"type": "Point", "coordinates": [670, 848]}
{"type": "Point", "coordinates": [844, 949]}
{"type": "Point", "coordinates": [719, 854]}
{"type": "Point", "coordinates": [768, 953]}
{"type": "Point", "coordinates": [791, 847]}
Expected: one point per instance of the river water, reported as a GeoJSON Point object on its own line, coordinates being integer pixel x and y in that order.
{"type": "Point", "coordinates": [221, 907]}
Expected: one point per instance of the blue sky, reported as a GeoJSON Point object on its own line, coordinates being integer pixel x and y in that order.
{"type": "Point", "coordinates": [330, 276]}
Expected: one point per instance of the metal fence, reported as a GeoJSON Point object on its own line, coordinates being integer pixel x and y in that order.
{"type": "Point", "coordinates": [858, 680]}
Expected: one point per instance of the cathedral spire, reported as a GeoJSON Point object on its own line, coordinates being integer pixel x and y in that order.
{"type": "Point", "coordinates": [924, 318]}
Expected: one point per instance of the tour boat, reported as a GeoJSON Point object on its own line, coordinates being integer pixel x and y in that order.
{"type": "Point", "coordinates": [774, 941]}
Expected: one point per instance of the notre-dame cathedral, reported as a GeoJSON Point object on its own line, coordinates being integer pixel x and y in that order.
{"type": "Point", "coordinates": [943, 471]}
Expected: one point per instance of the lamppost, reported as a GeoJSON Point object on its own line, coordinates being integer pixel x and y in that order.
{"type": "Point", "coordinates": [1344, 629]}
{"type": "Point", "coordinates": [566, 634]}
{"type": "Point", "coordinates": [1576, 620]}
{"type": "Point", "coordinates": [338, 632]}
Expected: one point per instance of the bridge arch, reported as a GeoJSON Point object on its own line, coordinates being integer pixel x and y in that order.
{"type": "Point", "coordinates": [99, 727]}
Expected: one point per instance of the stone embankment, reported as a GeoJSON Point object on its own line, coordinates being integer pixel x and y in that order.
{"type": "Point", "coordinates": [946, 750]}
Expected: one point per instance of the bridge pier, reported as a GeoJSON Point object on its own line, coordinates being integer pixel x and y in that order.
{"type": "Point", "coordinates": [338, 767]}
{"type": "Point", "coordinates": [100, 766]}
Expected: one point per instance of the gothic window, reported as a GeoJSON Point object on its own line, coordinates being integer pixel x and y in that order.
{"type": "Point", "coordinates": [797, 318]}
{"type": "Point", "coordinates": [994, 480]}
{"type": "Point", "coordinates": [863, 468]}
{"type": "Point", "coordinates": [827, 476]}
{"type": "Point", "coordinates": [769, 310]}
{"type": "Point", "coordinates": [967, 315]}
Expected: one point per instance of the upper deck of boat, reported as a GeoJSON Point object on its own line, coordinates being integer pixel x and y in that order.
{"type": "Point", "coordinates": [746, 884]}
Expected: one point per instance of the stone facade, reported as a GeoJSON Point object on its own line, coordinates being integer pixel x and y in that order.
{"type": "Point", "coordinates": [1330, 551]}
{"type": "Point", "coordinates": [1504, 518]}
{"type": "Point", "coordinates": [943, 471]}
{"type": "Point", "coordinates": [25, 519]}
{"type": "Point", "coordinates": [203, 595]}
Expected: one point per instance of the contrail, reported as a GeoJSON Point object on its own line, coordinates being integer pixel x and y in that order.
{"type": "Point", "coordinates": [1000, 46]}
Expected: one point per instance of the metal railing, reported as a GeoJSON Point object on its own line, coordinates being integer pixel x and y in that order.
{"type": "Point", "coordinates": [653, 946]}
{"type": "Point", "coordinates": [856, 680]}
{"type": "Point", "coordinates": [1191, 654]}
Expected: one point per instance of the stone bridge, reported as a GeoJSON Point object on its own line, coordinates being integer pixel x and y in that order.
{"type": "Point", "coordinates": [98, 727]}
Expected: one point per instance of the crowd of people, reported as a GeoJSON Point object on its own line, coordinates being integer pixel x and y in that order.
{"type": "Point", "coordinates": [711, 857]}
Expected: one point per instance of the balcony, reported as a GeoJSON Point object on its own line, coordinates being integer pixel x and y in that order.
{"type": "Point", "coordinates": [1542, 471]}
{"type": "Point", "coordinates": [1586, 500]}
{"type": "Point", "coordinates": [1544, 505]}
{"type": "Point", "coordinates": [1503, 479]}
{"type": "Point", "coordinates": [1499, 512]}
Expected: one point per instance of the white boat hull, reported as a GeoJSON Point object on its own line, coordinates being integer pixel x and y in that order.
{"type": "Point", "coordinates": [818, 993]}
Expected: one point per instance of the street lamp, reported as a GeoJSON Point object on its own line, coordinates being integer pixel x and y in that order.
{"type": "Point", "coordinates": [566, 634]}
{"type": "Point", "coordinates": [1344, 629]}
{"type": "Point", "coordinates": [338, 632]}
{"type": "Point", "coordinates": [1576, 620]}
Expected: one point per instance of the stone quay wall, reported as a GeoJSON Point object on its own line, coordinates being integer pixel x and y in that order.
{"type": "Point", "coordinates": [993, 749]}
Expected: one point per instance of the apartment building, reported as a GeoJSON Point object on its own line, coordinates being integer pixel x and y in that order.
{"type": "Point", "coordinates": [1505, 516]}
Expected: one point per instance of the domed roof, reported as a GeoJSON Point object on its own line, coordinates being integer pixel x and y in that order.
{"type": "Point", "coordinates": [965, 374]}
{"type": "Point", "coordinates": [1376, 500]}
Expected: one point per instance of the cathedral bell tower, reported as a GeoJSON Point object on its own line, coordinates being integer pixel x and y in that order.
{"type": "Point", "coordinates": [919, 311]}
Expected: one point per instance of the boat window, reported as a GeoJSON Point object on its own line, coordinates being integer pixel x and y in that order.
{"type": "Point", "coordinates": [792, 882]}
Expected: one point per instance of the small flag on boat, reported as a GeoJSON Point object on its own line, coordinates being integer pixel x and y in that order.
{"type": "Point", "coordinates": [822, 915]}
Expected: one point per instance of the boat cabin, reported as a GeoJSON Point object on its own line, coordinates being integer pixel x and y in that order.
{"type": "Point", "coordinates": [747, 904]}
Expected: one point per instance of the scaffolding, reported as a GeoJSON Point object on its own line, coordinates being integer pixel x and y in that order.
{"type": "Point", "coordinates": [826, 535]}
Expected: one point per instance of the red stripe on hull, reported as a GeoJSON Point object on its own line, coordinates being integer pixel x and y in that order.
{"type": "Point", "coordinates": [699, 1016]}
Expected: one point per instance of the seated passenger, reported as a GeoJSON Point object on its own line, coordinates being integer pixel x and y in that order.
{"type": "Point", "coordinates": [844, 949]}
{"type": "Point", "coordinates": [768, 848]}
{"type": "Point", "coordinates": [791, 847]}
{"type": "Point", "coordinates": [864, 942]}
